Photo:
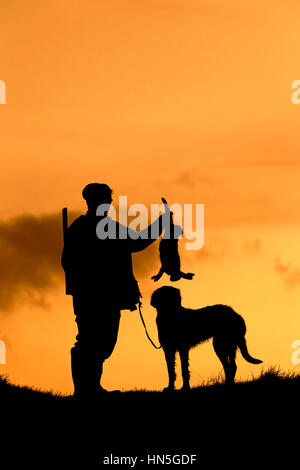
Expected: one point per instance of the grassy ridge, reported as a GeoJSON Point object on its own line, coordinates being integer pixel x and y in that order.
{"type": "Point", "coordinates": [219, 423]}
{"type": "Point", "coordinates": [273, 377]}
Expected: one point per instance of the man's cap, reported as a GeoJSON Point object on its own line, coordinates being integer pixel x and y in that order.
{"type": "Point", "coordinates": [96, 192]}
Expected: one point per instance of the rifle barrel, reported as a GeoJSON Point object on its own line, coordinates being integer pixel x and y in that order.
{"type": "Point", "coordinates": [65, 222]}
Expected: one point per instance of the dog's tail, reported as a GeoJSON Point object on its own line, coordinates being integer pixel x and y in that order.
{"type": "Point", "coordinates": [245, 353]}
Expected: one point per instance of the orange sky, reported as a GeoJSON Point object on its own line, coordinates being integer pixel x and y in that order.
{"type": "Point", "coordinates": [187, 99]}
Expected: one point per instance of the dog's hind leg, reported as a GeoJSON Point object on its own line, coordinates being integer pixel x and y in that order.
{"type": "Point", "coordinates": [232, 364]}
{"type": "Point", "coordinates": [223, 355]}
{"type": "Point", "coordinates": [226, 366]}
{"type": "Point", "coordinates": [170, 359]}
{"type": "Point", "coordinates": [184, 358]}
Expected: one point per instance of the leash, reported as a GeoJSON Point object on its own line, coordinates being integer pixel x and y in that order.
{"type": "Point", "coordinates": [153, 344]}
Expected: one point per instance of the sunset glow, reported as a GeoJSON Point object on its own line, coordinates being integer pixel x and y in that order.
{"type": "Point", "coordinates": [185, 99]}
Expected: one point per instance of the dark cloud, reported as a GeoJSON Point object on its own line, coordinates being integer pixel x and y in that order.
{"type": "Point", "coordinates": [184, 179]}
{"type": "Point", "coordinates": [30, 251]}
{"type": "Point", "coordinates": [253, 247]}
{"type": "Point", "coordinates": [215, 246]}
{"type": "Point", "coordinates": [290, 274]}
{"type": "Point", "coordinates": [191, 179]}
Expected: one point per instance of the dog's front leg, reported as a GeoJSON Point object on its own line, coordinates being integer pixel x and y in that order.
{"type": "Point", "coordinates": [184, 358]}
{"type": "Point", "coordinates": [170, 359]}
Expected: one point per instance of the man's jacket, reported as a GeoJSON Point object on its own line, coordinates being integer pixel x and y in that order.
{"type": "Point", "coordinates": [103, 266]}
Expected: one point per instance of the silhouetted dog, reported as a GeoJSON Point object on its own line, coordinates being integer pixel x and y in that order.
{"type": "Point", "coordinates": [168, 252]}
{"type": "Point", "coordinates": [180, 329]}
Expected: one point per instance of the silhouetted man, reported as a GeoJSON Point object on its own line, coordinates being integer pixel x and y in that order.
{"type": "Point", "coordinates": [99, 276]}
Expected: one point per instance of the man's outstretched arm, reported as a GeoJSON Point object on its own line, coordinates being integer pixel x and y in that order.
{"type": "Point", "coordinates": [141, 240]}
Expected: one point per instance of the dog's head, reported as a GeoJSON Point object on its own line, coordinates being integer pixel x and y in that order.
{"type": "Point", "coordinates": [166, 298]}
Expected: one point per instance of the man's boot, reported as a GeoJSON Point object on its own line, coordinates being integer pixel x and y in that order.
{"type": "Point", "coordinates": [83, 374]}
{"type": "Point", "coordinates": [98, 372]}
{"type": "Point", "coordinates": [86, 374]}
{"type": "Point", "coordinates": [76, 368]}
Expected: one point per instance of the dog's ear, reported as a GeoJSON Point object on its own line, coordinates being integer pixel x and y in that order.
{"type": "Point", "coordinates": [155, 299]}
{"type": "Point", "coordinates": [175, 298]}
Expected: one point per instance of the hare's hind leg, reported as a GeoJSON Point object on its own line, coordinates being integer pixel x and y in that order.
{"type": "Point", "coordinates": [187, 275]}
{"type": "Point", "coordinates": [157, 276]}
